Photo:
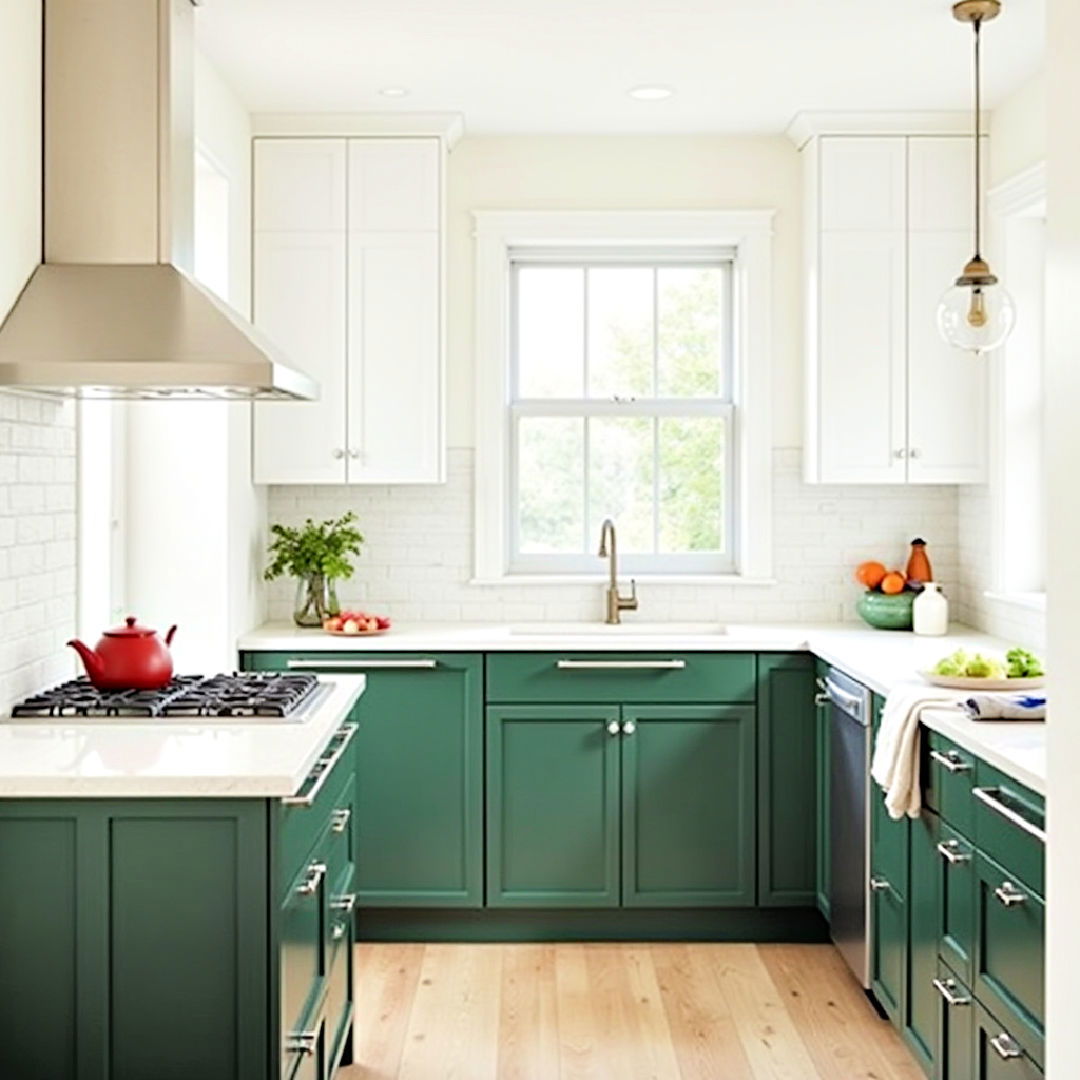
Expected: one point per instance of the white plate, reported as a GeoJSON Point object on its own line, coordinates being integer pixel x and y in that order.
{"type": "Point", "coordinates": [966, 682]}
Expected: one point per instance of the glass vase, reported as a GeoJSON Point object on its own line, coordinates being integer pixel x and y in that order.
{"type": "Point", "coordinates": [316, 600]}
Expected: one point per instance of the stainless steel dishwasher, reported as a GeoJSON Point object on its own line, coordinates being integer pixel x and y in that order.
{"type": "Point", "coordinates": [849, 820]}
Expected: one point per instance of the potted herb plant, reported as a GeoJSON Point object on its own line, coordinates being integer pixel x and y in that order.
{"type": "Point", "coordinates": [317, 555]}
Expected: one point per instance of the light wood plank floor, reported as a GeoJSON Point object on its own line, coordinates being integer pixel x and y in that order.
{"type": "Point", "coordinates": [617, 1012]}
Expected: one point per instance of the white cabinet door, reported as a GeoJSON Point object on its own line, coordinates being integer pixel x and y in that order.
{"type": "Point", "coordinates": [863, 184]}
{"type": "Point", "coordinates": [299, 184]}
{"type": "Point", "coordinates": [860, 361]}
{"type": "Point", "coordinates": [947, 388]}
{"type": "Point", "coordinates": [395, 376]}
{"type": "Point", "coordinates": [940, 180]}
{"type": "Point", "coordinates": [394, 185]}
{"type": "Point", "coordinates": [299, 302]}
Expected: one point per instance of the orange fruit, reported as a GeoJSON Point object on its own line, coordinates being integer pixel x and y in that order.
{"type": "Point", "coordinates": [870, 574]}
{"type": "Point", "coordinates": [893, 582]}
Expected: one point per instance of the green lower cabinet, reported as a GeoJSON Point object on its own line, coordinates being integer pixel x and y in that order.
{"type": "Point", "coordinates": [956, 904]}
{"type": "Point", "coordinates": [921, 1010]}
{"type": "Point", "coordinates": [822, 767]}
{"type": "Point", "coordinates": [553, 805]}
{"type": "Point", "coordinates": [955, 1027]}
{"type": "Point", "coordinates": [419, 834]}
{"type": "Point", "coordinates": [687, 806]}
{"type": "Point", "coordinates": [787, 784]}
{"type": "Point", "coordinates": [999, 1052]}
{"type": "Point", "coordinates": [888, 948]}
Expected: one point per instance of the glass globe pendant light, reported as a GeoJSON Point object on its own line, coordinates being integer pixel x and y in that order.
{"type": "Point", "coordinates": [976, 313]}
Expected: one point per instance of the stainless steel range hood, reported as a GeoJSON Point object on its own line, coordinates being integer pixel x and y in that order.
{"type": "Point", "coordinates": [112, 311]}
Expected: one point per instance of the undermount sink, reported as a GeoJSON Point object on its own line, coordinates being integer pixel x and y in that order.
{"type": "Point", "coordinates": [627, 629]}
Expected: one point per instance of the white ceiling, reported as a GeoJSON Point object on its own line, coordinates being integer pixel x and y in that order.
{"type": "Point", "coordinates": [565, 65]}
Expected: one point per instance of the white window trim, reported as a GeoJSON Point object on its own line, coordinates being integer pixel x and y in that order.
{"type": "Point", "coordinates": [1014, 198]}
{"type": "Point", "coordinates": [749, 232]}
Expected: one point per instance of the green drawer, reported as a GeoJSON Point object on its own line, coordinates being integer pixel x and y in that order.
{"type": "Point", "coordinates": [956, 904]}
{"type": "Point", "coordinates": [625, 678]}
{"type": "Point", "coordinates": [1010, 823]}
{"type": "Point", "coordinates": [956, 1026]}
{"type": "Point", "coordinates": [1001, 1051]}
{"type": "Point", "coordinates": [303, 825]}
{"type": "Point", "coordinates": [949, 772]}
{"type": "Point", "coordinates": [1009, 956]}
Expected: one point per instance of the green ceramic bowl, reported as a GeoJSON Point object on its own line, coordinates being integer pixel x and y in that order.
{"type": "Point", "coordinates": [884, 612]}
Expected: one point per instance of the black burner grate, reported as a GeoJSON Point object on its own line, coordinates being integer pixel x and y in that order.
{"type": "Point", "coordinates": [243, 694]}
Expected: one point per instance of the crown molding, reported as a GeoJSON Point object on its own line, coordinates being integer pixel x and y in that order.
{"type": "Point", "coordinates": [811, 125]}
{"type": "Point", "coordinates": [448, 126]}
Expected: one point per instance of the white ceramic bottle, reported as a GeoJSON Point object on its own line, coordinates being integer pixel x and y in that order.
{"type": "Point", "coordinates": [930, 611]}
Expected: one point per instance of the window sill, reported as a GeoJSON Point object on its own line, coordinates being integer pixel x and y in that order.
{"type": "Point", "coordinates": [1029, 601]}
{"type": "Point", "coordinates": [641, 579]}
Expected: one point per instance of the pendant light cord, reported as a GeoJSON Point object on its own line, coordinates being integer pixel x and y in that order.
{"type": "Point", "coordinates": [977, 27]}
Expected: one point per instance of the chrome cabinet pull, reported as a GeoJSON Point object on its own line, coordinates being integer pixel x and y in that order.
{"type": "Point", "coordinates": [988, 796]}
{"type": "Point", "coordinates": [613, 727]}
{"type": "Point", "coordinates": [953, 852]}
{"type": "Point", "coordinates": [946, 988]}
{"type": "Point", "coordinates": [1006, 1046]}
{"type": "Point", "coordinates": [339, 819]}
{"type": "Point", "coordinates": [338, 932]}
{"type": "Point", "coordinates": [301, 1042]}
{"type": "Point", "coordinates": [323, 768]}
{"type": "Point", "coordinates": [629, 727]}
{"type": "Point", "coordinates": [879, 884]}
{"type": "Point", "coordinates": [361, 665]}
{"type": "Point", "coordinates": [1009, 895]}
{"type": "Point", "coordinates": [951, 761]}
{"type": "Point", "coordinates": [620, 665]}
{"type": "Point", "coordinates": [310, 885]}
{"type": "Point", "coordinates": [345, 902]}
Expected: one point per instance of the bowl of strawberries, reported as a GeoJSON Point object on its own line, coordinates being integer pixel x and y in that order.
{"type": "Point", "coordinates": [356, 624]}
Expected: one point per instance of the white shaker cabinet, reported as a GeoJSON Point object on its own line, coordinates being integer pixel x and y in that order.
{"type": "Point", "coordinates": [888, 226]}
{"type": "Point", "coordinates": [348, 281]}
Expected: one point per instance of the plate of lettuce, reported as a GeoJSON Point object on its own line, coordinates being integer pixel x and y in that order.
{"type": "Point", "coordinates": [963, 670]}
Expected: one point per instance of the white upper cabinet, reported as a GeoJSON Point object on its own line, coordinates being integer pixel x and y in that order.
{"type": "Point", "coordinates": [348, 282]}
{"type": "Point", "coordinates": [888, 226]}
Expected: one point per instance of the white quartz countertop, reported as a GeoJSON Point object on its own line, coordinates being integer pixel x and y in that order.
{"type": "Point", "coordinates": [878, 659]}
{"type": "Point", "coordinates": [169, 758]}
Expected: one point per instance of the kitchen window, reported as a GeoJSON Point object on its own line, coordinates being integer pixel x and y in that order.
{"type": "Point", "coordinates": [622, 372]}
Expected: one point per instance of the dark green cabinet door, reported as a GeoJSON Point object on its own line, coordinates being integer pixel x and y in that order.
{"type": "Point", "coordinates": [419, 783]}
{"type": "Point", "coordinates": [688, 835]}
{"type": "Point", "coordinates": [956, 1027]}
{"type": "Point", "coordinates": [822, 766]}
{"type": "Point", "coordinates": [39, 970]}
{"type": "Point", "coordinates": [888, 838]}
{"type": "Point", "coordinates": [787, 787]}
{"type": "Point", "coordinates": [302, 952]}
{"type": "Point", "coordinates": [922, 1011]}
{"type": "Point", "coordinates": [956, 882]}
{"type": "Point", "coordinates": [553, 805]}
{"type": "Point", "coordinates": [888, 948]}
{"type": "Point", "coordinates": [1010, 951]}
{"type": "Point", "coordinates": [999, 1053]}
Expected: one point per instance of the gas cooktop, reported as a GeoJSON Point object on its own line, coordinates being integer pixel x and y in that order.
{"type": "Point", "coordinates": [247, 696]}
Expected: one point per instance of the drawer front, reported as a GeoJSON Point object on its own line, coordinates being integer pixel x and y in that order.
{"type": "Point", "coordinates": [957, 901]}
{"type": "Point", "coordinates": [301, 825]}
{"type": "Point", "coordinates": [1009, 948]}
{"type": "Point", "coordinates": [956, 1025]}
{"type": "Point", "coordinates": [627, 678]}
{"type": "Point", "coordinates": [1010, 823]}
{"type": "Point", "coordinates": [338, 1009]}
{"type": "Point", "coordinates": [302, 957]}
{"type": "Point", "coordinates": [1001, 1052]}
{"type": "Point", "coordinates": [949, 773]}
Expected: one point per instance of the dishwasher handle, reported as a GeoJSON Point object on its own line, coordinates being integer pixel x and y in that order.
{"type": "Point", "coordinates": [853, 705]}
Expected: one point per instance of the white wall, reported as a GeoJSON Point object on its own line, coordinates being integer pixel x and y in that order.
{"type": "Point", "coordinates": [1018, 130]}
{"type": "Point", "coordinates": [627, 173]}
{"type": "Point", "coordinates": [1063, 494]}
{"type": "Point", "coordinates": [37, 439]}
{"type": "Point", "coordinates": [195, 521]}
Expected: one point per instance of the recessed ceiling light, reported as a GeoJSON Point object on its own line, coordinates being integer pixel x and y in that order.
{"type": "Point", "coordinates": [394, 91]}
{"type": "Point", "coordinates": [650, 92]}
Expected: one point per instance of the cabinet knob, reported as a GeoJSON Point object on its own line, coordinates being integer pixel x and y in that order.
{"type": "Point", "coordinates": [354, 453]}
{"type": "Point", "coordinates": [879, 884]}
{"type": "Point", "coordinates": [901, 453]}
{"type": "Point", "coordinates": [915, 452]}
{"type": "Point", "coordinates": [629, 727]}
{"type": "Point", "coordinates": [613, 727]}
{"type": "Point", "coordinates": [337, 453]}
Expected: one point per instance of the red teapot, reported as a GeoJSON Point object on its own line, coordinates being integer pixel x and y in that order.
{"type": "Point", "coordinates": [128, 657]}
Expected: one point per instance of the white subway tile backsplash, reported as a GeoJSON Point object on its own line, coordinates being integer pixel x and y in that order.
{"type": "Point", "coordinates": [37, 543]}
{"type": "Point", "coordinates": [417, 559]}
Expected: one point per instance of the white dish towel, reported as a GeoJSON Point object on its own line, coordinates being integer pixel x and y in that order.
{"type": "Point", "coordinates": [895, 764]}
